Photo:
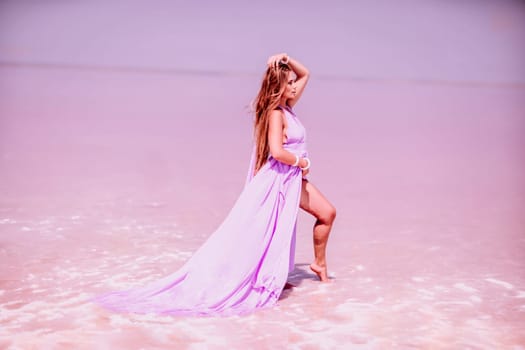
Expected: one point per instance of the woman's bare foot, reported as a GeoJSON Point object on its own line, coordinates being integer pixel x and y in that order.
{"type": "Point", "coordinates": [320, 271]}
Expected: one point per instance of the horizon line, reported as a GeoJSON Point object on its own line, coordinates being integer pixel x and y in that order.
{"type": "Point", "coordinates": [228, 73]}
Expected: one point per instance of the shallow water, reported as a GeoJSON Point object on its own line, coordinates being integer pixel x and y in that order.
{"type": "Point", "coordinates": [110, 180]}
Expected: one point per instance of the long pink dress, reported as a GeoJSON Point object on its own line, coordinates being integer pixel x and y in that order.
{"type": "Point", "coordinates": [243, 265]}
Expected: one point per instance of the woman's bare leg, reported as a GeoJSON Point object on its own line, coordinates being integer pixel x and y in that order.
{"type": "Point", "coordinates": [313, 202]}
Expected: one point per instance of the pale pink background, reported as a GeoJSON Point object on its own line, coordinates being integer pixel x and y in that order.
{"type": "Point", "coordinates": [125, 135]}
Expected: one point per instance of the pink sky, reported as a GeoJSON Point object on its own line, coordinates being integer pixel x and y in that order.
{"type": "Point", "coordinates": [481, 41]}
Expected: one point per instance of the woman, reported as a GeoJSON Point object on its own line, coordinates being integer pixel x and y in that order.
{"type": "Point", "coordinates": [243, 266]}
{"type": "Point", "coordinates": [312, 201]}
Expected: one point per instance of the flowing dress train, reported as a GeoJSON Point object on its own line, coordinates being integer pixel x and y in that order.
{"type": "Point", "coordinates": [243, 265]}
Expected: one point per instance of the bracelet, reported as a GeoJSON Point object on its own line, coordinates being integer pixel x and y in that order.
{"type": "Point", "coordinates": [308, 165]}
{"type": "Point", "coordinates": [296, 160]}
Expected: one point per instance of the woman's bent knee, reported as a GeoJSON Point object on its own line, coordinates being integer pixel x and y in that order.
{"type": "Point", "coordinates": [328, 216]}
{"type": "Point", "coordinates": [332, 214]}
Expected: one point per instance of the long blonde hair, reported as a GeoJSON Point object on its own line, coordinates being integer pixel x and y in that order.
{"type": "Point", "coordinates": [272, 87]}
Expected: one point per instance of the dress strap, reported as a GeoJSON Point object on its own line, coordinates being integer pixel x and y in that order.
{"type": "Point", "coordinates": [287, 109]}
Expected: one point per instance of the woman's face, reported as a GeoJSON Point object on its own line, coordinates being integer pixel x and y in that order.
{"type": "Point", "coordinates": [290, 90]}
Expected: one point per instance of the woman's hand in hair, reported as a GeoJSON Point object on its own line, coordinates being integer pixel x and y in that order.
{"type": "Point", "coordinates": [273, 61]}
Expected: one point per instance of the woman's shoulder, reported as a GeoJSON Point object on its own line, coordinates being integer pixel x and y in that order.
{"type": "Point", "coordinates": [278, 110]}
{"type": "Point", "coordinates": [277, 115]}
